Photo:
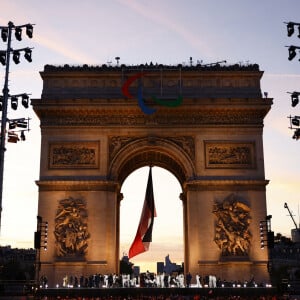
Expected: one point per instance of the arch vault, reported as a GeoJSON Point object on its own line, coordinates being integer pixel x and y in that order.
{"type": "Point", "coordinates": [203, 124]}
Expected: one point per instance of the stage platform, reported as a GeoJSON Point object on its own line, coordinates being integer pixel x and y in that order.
{"type": "Point", "coordinates": [154, 293]}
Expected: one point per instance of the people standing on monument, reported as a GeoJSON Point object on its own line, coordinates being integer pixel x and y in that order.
{"type": "Point", "coordinates": [166, 280]}
{"type": "Point", "coordinates": [188, 279]}
{"type": "Point", "coordinates": [198, 281]}
{"type": "Point", "coordinates": [181, 280]}
{"type": "Point", "coordinates": [65, 281]}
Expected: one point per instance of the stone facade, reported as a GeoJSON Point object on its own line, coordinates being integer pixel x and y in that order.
{"type": "Point", "coordinates": [202, 123]}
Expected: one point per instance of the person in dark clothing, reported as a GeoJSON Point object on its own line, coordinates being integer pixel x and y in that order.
{"type": "Point", "coordinates": [188, 279]}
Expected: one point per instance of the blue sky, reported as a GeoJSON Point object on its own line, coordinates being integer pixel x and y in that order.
{"type": "Point", "coordinates": [168, 32]}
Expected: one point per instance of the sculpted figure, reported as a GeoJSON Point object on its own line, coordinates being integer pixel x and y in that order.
{"type": "Point", "coordinates": [232, 233]}
{"type": "Point", "coordinates": [71, 228]}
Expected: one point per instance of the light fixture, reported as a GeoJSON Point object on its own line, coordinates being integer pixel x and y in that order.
{"type": "Point", "coordinates": [27, 55]}
{"type": "Point", "coordinates": [292, 52]}
{"type": "Point", "coordinates": [296, 135]}
{"type": "Point", "coordinates": [29, 30]}
{"type": "Point", "coordinates": [12, 137]}
{"type": "Point", "coordinates": [14, 102]}
{"type": "Point", "coordinates": [4, 34]}
{"type": "Point", "coordinates": [25, 100]}
{"type": "Point", "coordinates": [23, 138]}
{"type": "Point", "coordinates": [16, 56]}
{"type": "Point", "coordinates": [296, 122]}
{"type": "Point", "coordinates": [270, 239]}
{"type": "Point", "coordinates": [290, 28]}
{"type": "Point", "coordinates": [21, 123]}
{"type": "Point", "coordinates": [18, 33]}
{"type": "Point", "coordinates": [295, 98]}
{"type": "Point", "coordinates": [12, 125]}
{"type": "Point", "coordinates": [3, 57]}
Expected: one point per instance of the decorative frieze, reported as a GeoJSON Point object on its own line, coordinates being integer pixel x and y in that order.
{"type": "Point", "coordinates": [229, 155]}
{"type": "Point", "coordinates": [74, 155]}
{"type": "Point", "coordinates": [172, 118]}
{"type": "Point", "coordinates": [186, 143]}
{"type": "Point", "coordinates": [118, 142]}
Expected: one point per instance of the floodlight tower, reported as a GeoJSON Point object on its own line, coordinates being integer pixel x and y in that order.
{"type": "Point", "coordinates": [294, 121]}
{"type": "Point", "coordinates": [6, 35]}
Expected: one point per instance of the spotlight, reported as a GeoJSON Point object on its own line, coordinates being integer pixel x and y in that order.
{"type": "Point", "coordinates": [296, 135]}
{"type": "Point", "coordinates": [25, 100]}
{"type": "Point", "coordinates": [29, 30]}
{"type": "Point", "coordinates": [290, 28]}
{"type": "Point", "coordinates": [4, 34]}
{"type": "Point", "coordinates": [270, 238]}
{"type": "Point", "coordinates": [18, 33]}
{"type": "Point", "coordinates": [27, 55]}
{"type": "Point", "coordinates": [16, 56]}
{"type": "Point", "coordinates": [23, 138]}
{"type": "Point", "coordinates": [14, 102]}
{"type": "Point", "coordinates": [295, 122]}
{"type": "Point", "coordinates": [3, 57]}
{"type": "Point", "coordinates": [292, 52]}
{"type": "Point", "coordinates": [21, 123]}
{"type": "Point", "coordinates": [12, 137]}
{"type": "Point", "coordinates": [295, 98]}
{"type": "Point", "coordinates": [12, 125]}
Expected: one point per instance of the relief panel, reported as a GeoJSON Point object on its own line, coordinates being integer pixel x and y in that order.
{"type": "Point", "coordinates": [232, 234]}
{"type": "Point", "coordinates": [229, 155]}
{"type": "Point", "coordinates": [74, 155]}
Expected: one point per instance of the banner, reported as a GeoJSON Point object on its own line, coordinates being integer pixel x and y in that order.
{"type": "Point", "coordinates": [143, 236]}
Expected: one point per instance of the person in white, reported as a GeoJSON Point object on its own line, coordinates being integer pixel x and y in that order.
{"type": "Point", "coordinates": [198, 282]}
{"type": "Point", "coordinates": [181, 280]}
{"type": "Point", "coordinates": [105, 280]}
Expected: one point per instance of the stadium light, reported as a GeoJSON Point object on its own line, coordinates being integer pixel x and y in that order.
{"type": "Point", "coordinates": [294, 98]}
{"type": "Point", "coordinates": [290, 26]}
{"type": "Point", "coordinates": [292, 52]}
{"type": "Point", "coordinates": [12, 135]}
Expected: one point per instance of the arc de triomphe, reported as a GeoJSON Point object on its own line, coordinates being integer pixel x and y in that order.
{"type": "Point", "coordinates": [202, 123]}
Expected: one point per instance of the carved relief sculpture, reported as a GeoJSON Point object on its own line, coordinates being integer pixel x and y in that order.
{"type": "Point", "coordinates": [237, 155]}
{"type": "Point", "coordinates": [74, 155]}
{"type": "Point", "coordinates": [71, 232]}
{"type": "Point", "coordinates": [232, 233]}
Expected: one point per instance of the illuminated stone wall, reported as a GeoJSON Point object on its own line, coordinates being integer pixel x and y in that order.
{"type": "Point", "coordinates": [203, 124]}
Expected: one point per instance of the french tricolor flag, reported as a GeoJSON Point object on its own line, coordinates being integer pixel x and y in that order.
{"type": "Point", "coordinates": [143, 236]}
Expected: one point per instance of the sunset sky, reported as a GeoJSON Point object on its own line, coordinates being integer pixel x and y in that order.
{"type": "Point", "coordinates": [94, 32]}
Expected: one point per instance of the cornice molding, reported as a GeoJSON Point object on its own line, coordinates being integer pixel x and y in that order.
{"type": "Point", "coordinates": [129, 118]}
{"type": "Point", "coordinates": [80, 185]}
{"type": "Point", "coordinates": [225, 184]}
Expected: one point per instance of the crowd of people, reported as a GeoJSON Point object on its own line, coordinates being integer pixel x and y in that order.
{"type": "Point", "coordinates": [148, 279]}
{"type": "Point", "coordinates": [176, 297]}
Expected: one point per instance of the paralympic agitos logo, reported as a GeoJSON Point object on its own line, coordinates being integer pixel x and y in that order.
{"type": "Point", "coordinates": [146, 109]}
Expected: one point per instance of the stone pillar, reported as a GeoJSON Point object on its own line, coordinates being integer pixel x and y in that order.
{"type": "Point", "coordinates": [203, 254]}
{"type": "Point", "coordinates": [100, 249]}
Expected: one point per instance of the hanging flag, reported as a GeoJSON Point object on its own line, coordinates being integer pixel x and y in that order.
{"type": "Point", "coordinates": [143, 236]}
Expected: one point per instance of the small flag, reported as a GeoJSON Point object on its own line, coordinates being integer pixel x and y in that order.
{"type": "Point", "coordinates": [143, 236]}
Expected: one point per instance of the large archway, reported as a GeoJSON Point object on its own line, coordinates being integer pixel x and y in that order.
{"type": "Point", "coordinates": [94, 135]}
{"type": "Point", "coordinates": [167, 235]}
